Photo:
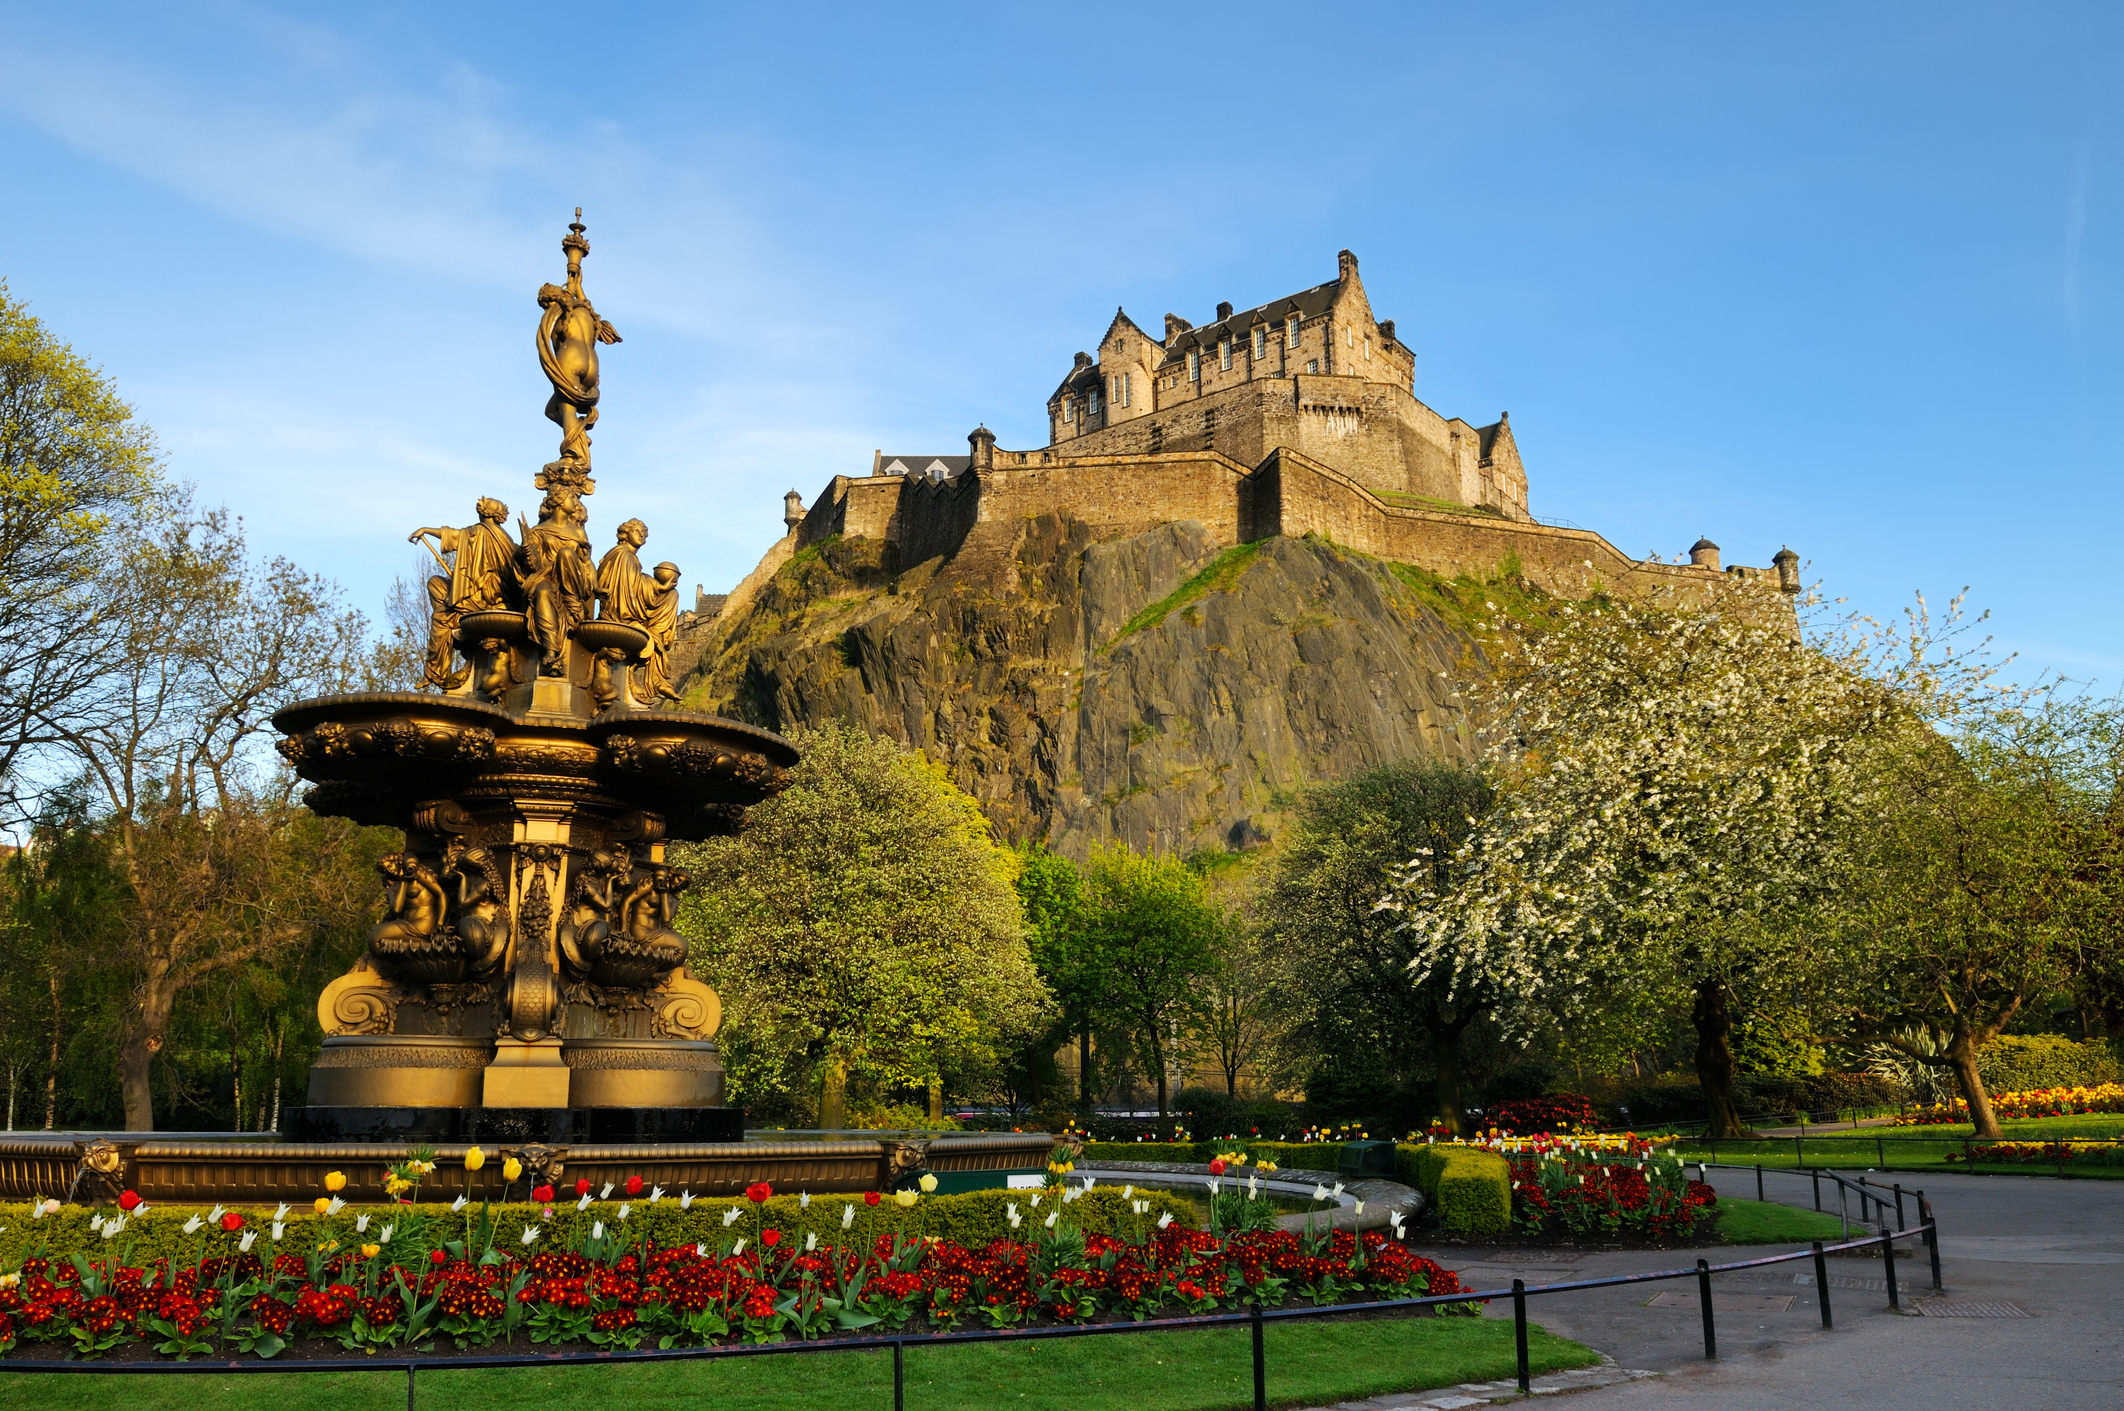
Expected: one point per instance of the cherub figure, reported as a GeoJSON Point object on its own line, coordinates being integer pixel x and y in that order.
{"type": "Point", "coordinates": [587, 923]}
{"type": "Point", "coordinates": [482, 918]}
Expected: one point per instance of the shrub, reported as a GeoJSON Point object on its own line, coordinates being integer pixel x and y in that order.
{"type": "Point", "coordinates": [1471, 1189]}
{"type": "Point", "coordinates": [1559, 1112]}
{"type": "Point", "coordinates": [2027, 1062]}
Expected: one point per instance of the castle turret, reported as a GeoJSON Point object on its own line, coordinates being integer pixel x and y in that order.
{"type": "Point", "coordinates": [1787, 564]}
{"type": "Point", "coordinates": [983, 442]}
{"type": "Point", "coordinates": [1704, 554]}
{"type": "Point", "coordinates": [792, 510]}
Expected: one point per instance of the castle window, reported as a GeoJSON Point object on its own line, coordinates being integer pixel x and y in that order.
{"type": "Point", "coordinates": [1124, 389]}
{"type": "Point", "coordinates": [1290, 328]}
{"type": "Point", "coordinates": [1194, 364]}
{"type": "Point", "coordinates": [1069, 408]}
{"type": "Point", "coordinates": [1313, 365]}
{"type": "Point", "coordinates": [1368, 347]}
{"type": "Point", "coordinates": [1092, 403]}
{"type": "Point", "coordinates": [1260, 340]}
{"type": "Point", "coordinates": [1224, 353]}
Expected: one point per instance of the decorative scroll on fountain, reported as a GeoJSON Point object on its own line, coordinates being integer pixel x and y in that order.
{"type": "Point", "coordinates": [525, 981]}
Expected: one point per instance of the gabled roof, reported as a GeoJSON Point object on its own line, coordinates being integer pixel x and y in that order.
{"type": "Point", "coordinates": [947, 466]}
{"type": "Point", "coordinates": [1306, 303]}
{"type": "Point", "coordinates": [1082, 378]}
{"type": "Point", "coordinates": [1486, 436]}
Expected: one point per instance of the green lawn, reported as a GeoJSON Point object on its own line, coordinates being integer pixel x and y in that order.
{"type": "Point", "coordinates": [1308, 1364]}
{"type": "Point", "coordinates": [1913, 1148]}
{"type": "Point", "coordinates": [1766, 1222]}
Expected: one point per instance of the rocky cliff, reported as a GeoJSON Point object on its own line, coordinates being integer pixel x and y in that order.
{"type": "Point", "coordinates": [1149, 689]}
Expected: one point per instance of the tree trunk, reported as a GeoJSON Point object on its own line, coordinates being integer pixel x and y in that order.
{"type": "Point", "coordinates": [1714, 1059]}
{"type": "Point", "coordinates": [833, 1099]}
{"type": "Point", "coordinates": [51, 1072]}
{"type": "Point", "coordinates": [1961, 1056]}
{"type": "Point", "coordinates": [936, 1102]}
{"type": "Point", "coordinates": [1158, 1057]}
{"type": "Point", "coordinates": [1445, 1062]}
{"type": "Point", "coordinates": [1084, 1071]}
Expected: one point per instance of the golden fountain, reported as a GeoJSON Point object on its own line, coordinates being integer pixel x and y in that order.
{"type": "Point", "coordinates": [525, 988]}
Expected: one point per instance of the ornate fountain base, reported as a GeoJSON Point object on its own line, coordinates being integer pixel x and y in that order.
{"type": "Point", "coordinates": [510, 1126]}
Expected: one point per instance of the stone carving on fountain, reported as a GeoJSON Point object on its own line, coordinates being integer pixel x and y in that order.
{"type": "Point", "coordinates": [526, 961]}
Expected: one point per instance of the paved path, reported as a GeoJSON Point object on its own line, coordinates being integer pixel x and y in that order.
{"type": "Point", "coordinates": [2052, 1250]}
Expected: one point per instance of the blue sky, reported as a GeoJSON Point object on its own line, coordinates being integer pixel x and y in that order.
{"type": "Point", "coordinates": [1843, 277]}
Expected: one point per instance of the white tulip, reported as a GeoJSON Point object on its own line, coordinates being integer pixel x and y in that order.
{"type": "Point", "coordinates": [1165, 1219]}
{"type": "Point", "coordinates": [1360, 1207]}
{"type": "Point", "coordinates": [214, 1216]}
{"type": "Point", "coordinates": [700, 1251]}
{"type": "Point", "coordinates": [1320, 1192]}
{"type": "Point", "coordinates": [530, 1234]}
{"type": "Point", "coordinates": [606, 1193]}
{"type": "Point", "coordinates": [730, 1217]}
{"type": "Point", "coordinates": [1214, 1185]}
{"type": "Point", "coordinates": [1014, 1220]}
{"type": "Point", "coordinates": [738, 1248]}
{"type": "Point", "coordinates": [1052, 1216]}
{"type": "Point", "coordinates": [361, 1224]}
{"type": "Point", "coordinates": [334, 1205]}
{"type": "Point", "coordinates": [385, 1236]}
{"type": "Point", "coordinates": [1337, 1192]}
{"type": "Point", "coordinates": [847, 1215]}
{"type": "Point", "coordinates": [1127, 1191]}
{"type": "Point", "coordinates": [597, 1229]}
{"type": "Point", "coordinates": [458, 1204]}
{"type": "Point", "coordinates": [243, 1246]}
{"type": "Point", "coordinates": [96, 1223]}
{"type": "Point", "coordinates": [685, 1200]}
{"type": "Point", "coordinates": [656, 1193]}
{"type": "Point", "coordinates": [191, 1226]}
{"type": "Point", "coordinates": [279, 1229]}
{"type": "Point", "coordinates": [811, 1240]}
{"type": "Point", "coordinates": [282, 1213]}
{"type": "Point", "coordinates": [803, 1200]}
{"type": "Point", "coordinates": [584, 1203]}
{"type": "Point", "coordinates": [624, 1208]}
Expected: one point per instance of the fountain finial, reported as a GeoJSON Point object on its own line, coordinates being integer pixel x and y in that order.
{"type": "Point", "coordinates": [568, 334]}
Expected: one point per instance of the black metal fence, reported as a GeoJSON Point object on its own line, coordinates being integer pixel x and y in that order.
{"type": "Point", "coordinates": [1841, 1149]}
{"type": "Point", "coordinates": [1256, 1318]}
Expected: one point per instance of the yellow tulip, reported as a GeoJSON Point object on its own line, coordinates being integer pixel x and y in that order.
{"type": "Point", "coordinates": [370, 1251]}
{"type": "Point", "coordinates": [511, 1169]}
{"type": "Point", "coordinates": [474, 1159]}
{"type": "Point", "coordinates": [905, 1199]}
{"type": "Point", "coordinates": [335, 1181]}
{"type": "Point", "coordinates": [928, 1183]}
{"type": "Point", "coordinates": [322, 1204]}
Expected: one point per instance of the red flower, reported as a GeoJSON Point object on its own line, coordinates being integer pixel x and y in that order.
{"type": "Point", "coordinates": [542, 1195]}
{"type": "Point", "coordinates": [232, 1221]}
{"type": "Point", "coordinates": [129, 1201]}
{"type": "Point", "coordinates": [634, 1185]}
{"type": "Point", "coordinates": [582, 1187]}
{"type": "Point", "coordinates": [758, 1192]}
{"type": "Point", "coordinates": [770, 1238]}
{"type": "Point", "coordinates": [870, 1197]}
{"type": "Point", "coordinates": [1217, 1166]}
{"type": "Point", "coordinates": [438, 1257]}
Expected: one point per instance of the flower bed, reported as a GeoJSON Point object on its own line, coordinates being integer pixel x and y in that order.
{"type": "Point", "coordinates": [2057, 1153]}
{"type": "Point", "coordinates": [1558, 1112]}
{"type": "Point", "coordinates": [617, 1286]}
{"type": "Point", "coordinates": [1559, 1185]}
{"type": "Point", "coordinates": [2038, 1102]}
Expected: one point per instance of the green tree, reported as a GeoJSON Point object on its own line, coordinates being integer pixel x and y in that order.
{"type": "Point", "coordinates": [1987, 880]}
{"type": "Point", "coordinates": [1152, 937]}
{"type": "Point", "coordinates": [74, 465]}
{"type": "Point", "coordinates": [1051, 889]}
{"type": "Point", "coordinates": [863, 924]}
{"type": "Point", "coordinates": [1344, 963]}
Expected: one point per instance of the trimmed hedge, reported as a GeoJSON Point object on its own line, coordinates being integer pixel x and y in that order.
{"type": "Point", "coordinates": [1288, 1156]}
{"type": "Point", "coordinates": [2019, 1063]}
{"type": "Point", "coordinates": [1471, 1189]}
{"type": "Point", "coordinates": [973, 1219]}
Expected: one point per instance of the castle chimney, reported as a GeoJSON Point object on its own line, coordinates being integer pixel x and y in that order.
{"type": "Point", "coordinates": [1345, 265]}
{"type": "Point", "coordinates": [983, 442]}
{"type": "Point", "coordinates": [792, 511]}
{"type": "Point", "coordinates": [1175, 324]}
{"type": "Point", "coordinates": [1224, 309]}
{"type": "Point", "coordinates": [1084, 360]}
{"type": "Point", "coordinates": [1386, 330]}
{"type": "Point", "coordinates": [1704, 554]}
{"type": "Point", "coordinates": [1787, 564]}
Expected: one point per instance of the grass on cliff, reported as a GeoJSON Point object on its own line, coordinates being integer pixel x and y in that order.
{"type": "Point", "coordinates": [1217, 577]}
{"type": "Point", "coordinates": [1469, 601]}
{"type": "Point", "coordinates": [1309, 1364]}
